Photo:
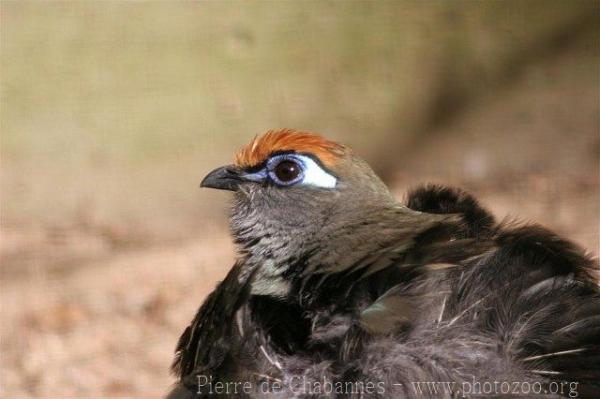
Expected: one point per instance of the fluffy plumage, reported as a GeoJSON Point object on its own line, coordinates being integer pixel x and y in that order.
{"type": "Point", "coordinates": [346, 285]}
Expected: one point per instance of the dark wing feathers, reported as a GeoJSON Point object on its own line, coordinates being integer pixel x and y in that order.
{"type": "Point", "coordinates": [514, 292]}
{"type": "Point", "coordinates": [212, 324]}
{"type": "Point", "coordinates": [456, 298]}
{"type": "Point", "coordinates": [445, 200]}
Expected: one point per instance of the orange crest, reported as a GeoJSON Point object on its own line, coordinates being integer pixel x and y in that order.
{"type": "Point", "coordinates": [261, 147]}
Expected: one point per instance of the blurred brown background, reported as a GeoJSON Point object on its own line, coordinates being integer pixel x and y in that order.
{"type": "Point", "coordinates": [112, 112]}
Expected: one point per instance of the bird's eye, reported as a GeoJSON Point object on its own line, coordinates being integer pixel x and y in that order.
{"type": "Point", "coordinates": [287, 171]}
{"type": "Point", "coordinates": [292, 169]}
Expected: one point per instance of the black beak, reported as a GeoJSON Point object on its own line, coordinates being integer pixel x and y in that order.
{"type": "Point", "coordinates": [223, 178]}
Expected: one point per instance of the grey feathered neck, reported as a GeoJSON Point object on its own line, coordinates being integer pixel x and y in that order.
{"type": "Point", "coordinates": [281, 249]}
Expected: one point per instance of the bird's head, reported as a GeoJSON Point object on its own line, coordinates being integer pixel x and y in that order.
{"type": "Point", "coordinates": [288, 176]}
{"type": "Point", "coordinates": [293, 190]}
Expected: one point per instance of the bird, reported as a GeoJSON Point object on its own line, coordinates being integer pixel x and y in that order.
{"type": "Point", "coordinates": [341, 290]}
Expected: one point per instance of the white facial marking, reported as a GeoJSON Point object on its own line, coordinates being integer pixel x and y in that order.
{"type": "Point", "coordinates": [314, 175]}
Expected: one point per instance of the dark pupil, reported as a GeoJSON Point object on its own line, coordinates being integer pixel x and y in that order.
{"type": "Point", "coordinates": [287, 171]}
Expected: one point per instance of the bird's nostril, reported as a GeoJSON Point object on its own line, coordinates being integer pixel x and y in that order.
{"type": "Point", "coordinates": [232, 174]}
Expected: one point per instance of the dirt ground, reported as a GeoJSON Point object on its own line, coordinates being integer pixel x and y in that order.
{"type": "Point", "coordinates": [104, 322]}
